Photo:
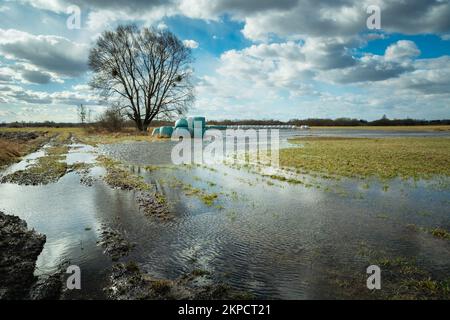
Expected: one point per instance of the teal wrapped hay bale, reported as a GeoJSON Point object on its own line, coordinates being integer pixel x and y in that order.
{"type": "Point", "coordinates": [155, 132]}
{"type": "Point", "coordinates": [192, 120]}
{"type": "Point", "coordinates": [165, 132]}
{"type": "Point", "coordinates": [200, 126]}
{"type": "Point", "coordinates": [181, 133]}
{"type": "Point", "coordinates": [181, 123]}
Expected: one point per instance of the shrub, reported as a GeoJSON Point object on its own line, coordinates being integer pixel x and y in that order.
{"type": "Point", "coordinates": [111, 120]}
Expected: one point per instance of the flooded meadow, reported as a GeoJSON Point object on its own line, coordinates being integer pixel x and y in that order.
{"type": "Point", "coordinates": [264, 232]}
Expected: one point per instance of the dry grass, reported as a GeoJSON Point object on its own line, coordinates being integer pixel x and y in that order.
{"type": "Point", "coordinates": [88, 135]}
{"type": "Point", "coordinates": [9, 151]}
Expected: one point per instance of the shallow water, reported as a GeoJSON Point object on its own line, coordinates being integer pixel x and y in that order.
{"type": "Point", "coordinates": [279, 240]}
{"type": "Point", "coordinates": [72, 216]}
{"type": "Point", "coordinates": [267, 237]}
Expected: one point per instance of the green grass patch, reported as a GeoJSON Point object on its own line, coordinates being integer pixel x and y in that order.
{"type": "Point", "coordinates": [47, 169]}
{"type": "Point", "coordinates": [440, 233]}
{"type": "Point", "coordinates": [118, 177]}
{"type": "Point", "coordinates": [207, 198]}
{"type": "Point", "coordinates": [384, 158]}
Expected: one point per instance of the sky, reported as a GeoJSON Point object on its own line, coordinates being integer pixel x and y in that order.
{"type": "Point", "coordinates": [254, 59]}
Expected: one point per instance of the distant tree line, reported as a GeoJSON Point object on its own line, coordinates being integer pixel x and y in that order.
{"type": "Point", "coordinates": [384, 121]}
{"type": "Point", "coordinates": [52, 124]}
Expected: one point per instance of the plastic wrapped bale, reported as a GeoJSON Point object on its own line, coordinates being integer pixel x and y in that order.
{"type": "Point", "coordinates": [192, 120]}
{"type": "Point", "coordinates": [196, 121]}
{"type": "Point", "coordinates": [181, 123]}
{"type": "Point", "coordinates": [155, 132]}
{"type": "Point", "coordinates": [181, 133]}
{"type": "Point", "coordinates": [165, 132]}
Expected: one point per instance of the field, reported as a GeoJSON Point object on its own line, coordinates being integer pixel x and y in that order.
{"type": "Point", "coordinates": [359, 157]}
{"type": "Point", "coordinates": [430, 128]}
{"type": "Point", "coordinates": [143, 228]}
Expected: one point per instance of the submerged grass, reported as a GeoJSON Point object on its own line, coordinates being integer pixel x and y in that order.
{"type": "Point", "coordinates": [207, 198]}
{"type": "Point", "coordinates": [118, 177]}
{"type": "Point", "coordinates": [403, 278]}
{"type": "Point", "coordinates": [46, 169]}
{"type": "Point", "coordinates": [440, 233]}
{"type": "Point", "coordinates": [151, 202]}
{"type": "Point", "coordinates": [384, 158]}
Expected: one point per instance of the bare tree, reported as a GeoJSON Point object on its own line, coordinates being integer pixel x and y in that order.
{"type": "Point", "coordinates": [89, 115]}
{"type": "Point", "coordinates": [146, 71]}
{"type": "Point", "coordinates": [82, 113]}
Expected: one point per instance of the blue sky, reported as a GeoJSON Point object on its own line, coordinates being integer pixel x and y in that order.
{"type": "Point", "coordinates": [253, 59]}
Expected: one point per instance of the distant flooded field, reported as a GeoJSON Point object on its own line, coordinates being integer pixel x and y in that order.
{"type": "Point", "coordinates": [270, 233]}
{"type": "Point", "coordinates": [282, 239]}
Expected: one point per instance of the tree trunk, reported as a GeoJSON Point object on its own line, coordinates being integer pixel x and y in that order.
{"type": "Point", "coordinates": [145, 126]}
{"type": "Point", "coordinates": [139, 125]}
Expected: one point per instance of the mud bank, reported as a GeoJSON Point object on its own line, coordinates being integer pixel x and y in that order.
{"type": "Point", "coordinates": [19, 249]}
{"type": "Point", "coordinates": [114, 244]}
{"type": "Point", "coordinates": [151, 202]}
{"type": "Point", "coordinates": [24, 136]}
{"type": "Point", "coordinates": [129, 283]}
{"type": "Point", "coordinates": [14, 145]}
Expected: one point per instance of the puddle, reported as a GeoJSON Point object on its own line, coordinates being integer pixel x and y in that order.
{"type": "Point", "coordinates": [26, 161]}
{"type": "Point", "coordinates": [80, 153]}
{"type": "Point", "coordinates": [71, 215]}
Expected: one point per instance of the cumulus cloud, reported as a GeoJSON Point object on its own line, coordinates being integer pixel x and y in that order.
{"type": "Point", "coordinates": [20, 95]}
{"type": "Point", "coordinates": [24, 73]}
{"type": "Point", "coordinates": [285, 18]}
{"type": "Point", "coordinates": [299, 18]}
{"type": "Point", "coordinates": [402, 50]}
{"type": "Point", "coordinates": [430, 77]}
{"type": "Point", "coordinates": [396, 60]}
{"type": "Point", "coordinates": [369, 68]}
{"type": "Point", "coordinates": [290, 64]}
{"type": "Point", "coordinates": [269, 66]}
{"type": "Point", "coordinates": [299, 47]}
{"type": "Point", "coordinates": [6, 75]}
{"type": "Point", "coordinates": [47, 53]}
{"type": "Point", "coordinates": [191, 44]}
{"type": "Point", "coordinates": [38, 77]}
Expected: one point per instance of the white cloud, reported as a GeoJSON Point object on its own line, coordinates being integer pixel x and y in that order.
{"type": "Point", "coordinates": [312, 65]}
{"type": "Point", "coordinates": [191, 44]}
{"type": "Point", "coordinates": [47, 53]}
{"type": "Point", "coordinates": [402, 50]}
{"type": "Point", "coordinates": [430, 77]}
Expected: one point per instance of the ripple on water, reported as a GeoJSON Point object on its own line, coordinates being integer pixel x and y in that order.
{"type": "Point", "coordinates": [282, 240]}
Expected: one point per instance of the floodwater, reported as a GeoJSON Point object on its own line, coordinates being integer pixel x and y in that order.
{"type": "Point", "coordinates": [270, 238]}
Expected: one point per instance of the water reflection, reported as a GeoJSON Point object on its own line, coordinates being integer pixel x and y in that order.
{"type": "Point", "coordinates": [276, 240]}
